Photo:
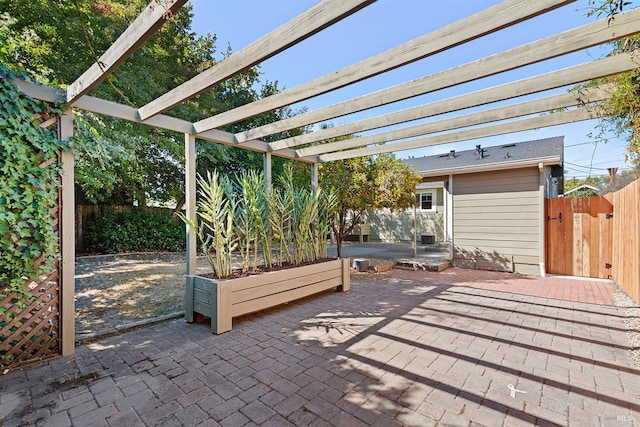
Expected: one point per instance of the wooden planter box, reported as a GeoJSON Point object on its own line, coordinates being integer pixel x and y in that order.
{"type": "Point", "coordinates": [222, 300]}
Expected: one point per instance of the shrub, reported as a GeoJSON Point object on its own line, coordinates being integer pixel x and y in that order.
{"type": "Point", "coordinates": [135, 230]}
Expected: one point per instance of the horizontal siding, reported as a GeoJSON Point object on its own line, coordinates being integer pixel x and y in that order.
{"type": "Point", "coordinates": [505, 181]}
{"type": "Point", "coordinates": [497, 230]}
{"type": "Point", "coordinates": [496, 220]}
{"type": "Point", "coordinates": [522, 217]}
{"type": "Point", "coordinates": [388, 226]}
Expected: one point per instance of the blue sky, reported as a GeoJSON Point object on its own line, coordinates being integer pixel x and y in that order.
{"type": "Point", "coordinates": [388, 23]}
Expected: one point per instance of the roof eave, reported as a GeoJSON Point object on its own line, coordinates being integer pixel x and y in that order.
{"type": "Point", "coordinates": [488, 167]}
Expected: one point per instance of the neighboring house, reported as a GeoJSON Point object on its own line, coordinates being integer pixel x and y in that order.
{"type": "Point", "coordinates": [583, 190]}
{"type": "Point", "coordinates": [488, 203]}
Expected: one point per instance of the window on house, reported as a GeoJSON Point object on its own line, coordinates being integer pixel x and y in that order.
{"type": "Point", "coordinates": [426, 201]}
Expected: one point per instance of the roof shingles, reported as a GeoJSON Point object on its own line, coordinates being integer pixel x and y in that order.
{"type": "Point", "coordinates": [500, 155]}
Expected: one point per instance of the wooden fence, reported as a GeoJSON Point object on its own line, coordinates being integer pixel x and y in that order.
{"type": "Point", "coordinates": [626, 239]}
{"type": "Point", "coordinates": [579, 236]}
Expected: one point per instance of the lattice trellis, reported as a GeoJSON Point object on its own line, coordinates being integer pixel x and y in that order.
{"type": "Point", "coordinates": [32, 333]}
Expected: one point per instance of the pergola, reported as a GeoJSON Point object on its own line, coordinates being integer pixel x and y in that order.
{"type": "Point", "coordinates": [567, 107]}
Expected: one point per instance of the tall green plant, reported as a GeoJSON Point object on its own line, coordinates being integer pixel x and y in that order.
{"type": "Point", "coordinates": [243, 215]}
{"type": "Point", "coordinates": [328, 204]}
{"type": "Point", "coordinates": [215, 230]}
{"type": "Point", "coordinates": [280, 206]}
{"type": "Point", "coordinates": [304, 216]}
{"type": "Point", "coordinates": [253, 218]}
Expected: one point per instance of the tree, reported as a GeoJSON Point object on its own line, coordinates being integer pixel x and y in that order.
{"type": "Point", "coordinates": [119, 161]}
{"type": "Point", "coordinates": [366, 184]}
{"type": "Point", "coordinates": [622, 108]}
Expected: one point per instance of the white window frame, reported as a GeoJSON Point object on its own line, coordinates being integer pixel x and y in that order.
{"type": "Point", "coordinates": [434, 200]}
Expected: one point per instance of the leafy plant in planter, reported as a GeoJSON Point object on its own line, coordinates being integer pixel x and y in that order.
{"type": "Point", "coordinates": [283, 225]}
{"type": "Point", "coordinates": [287, 226]}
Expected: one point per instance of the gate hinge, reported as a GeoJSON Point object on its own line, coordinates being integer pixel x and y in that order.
{"type": "Point", "coordinates": [609, 215]}
{"type": "Point", "coordinates": [607, 265]}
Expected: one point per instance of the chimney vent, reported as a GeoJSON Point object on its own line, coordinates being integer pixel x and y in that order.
{"type": "Point", "coordinates": [478, 149]}
{"type": "Point", "coordinates": [452, 154]}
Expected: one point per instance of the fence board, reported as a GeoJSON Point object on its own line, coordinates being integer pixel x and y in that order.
{"type": "Point", "coordinates": [626, 238]}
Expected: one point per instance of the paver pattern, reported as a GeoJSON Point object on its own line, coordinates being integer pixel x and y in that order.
{"type": "Point", "coordinates": [455, 348]}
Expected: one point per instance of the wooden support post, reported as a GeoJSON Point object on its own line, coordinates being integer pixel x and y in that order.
{"type": "Point", "coordinates": [414, 245]}
{"type": "Point", "coordinates": [267, 170]}
{"type": "Point", "coordinates": [449, 213]}
{"type": "Point", "coordinates": [190, 197]}
{"type": "Point", "coordinates": [67, 240]}
{"type": "Point", "coordinates": [314, 176]}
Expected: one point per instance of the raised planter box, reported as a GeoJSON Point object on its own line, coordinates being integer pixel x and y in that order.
{"type": "Point", "coordinates": [222, 300]}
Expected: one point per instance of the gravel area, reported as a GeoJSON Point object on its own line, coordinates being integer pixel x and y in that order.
{"type": "Point", "coordinates": [631, 321]}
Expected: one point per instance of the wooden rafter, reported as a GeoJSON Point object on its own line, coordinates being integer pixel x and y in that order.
{"type": "Point", "coordinates": [568, 76]}
{"type": "Point", "coordinates": [583, 37]}
{"type": "Point", "coordinates": [114, 109]}
{"type": "Point", "coordinates": [555, 119]}
{"type": "Point", "coordinates": [140, 30]}
{"type": "Point", "coordinates": [306, 24]}
{"type": "Point", "coordinates": [492, 19]}
{"type": "Point", "coordinates": [564, 100]}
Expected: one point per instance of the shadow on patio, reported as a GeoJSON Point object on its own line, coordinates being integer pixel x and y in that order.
{"type": "Point", "coordinates": [409, 348]}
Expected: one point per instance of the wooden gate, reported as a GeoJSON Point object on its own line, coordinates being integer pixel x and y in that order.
{"type": "Point", "coordinates": [579, 232]}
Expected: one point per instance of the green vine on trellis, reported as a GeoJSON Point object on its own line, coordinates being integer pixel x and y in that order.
{"type": "Point", "coordinates": [29, 180]}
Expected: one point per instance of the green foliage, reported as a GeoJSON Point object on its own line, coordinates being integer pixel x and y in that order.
{"type": "Point", "coordinates": [282, 224]}
{"type": "Point", "coordinates": [609, 8]}
{"type": "Point", "coordinates": [366, 184]}
{"type": "Point", "coordinates": [118, 161]}
{"type": "Point", "coordinates": [216, 229]}
{"type": "Point", "coordinates": [29, 176]}
{"type": "Point", "coordinates": [135, 230]}
{"type": "Point", "coordinates": [621, 110]}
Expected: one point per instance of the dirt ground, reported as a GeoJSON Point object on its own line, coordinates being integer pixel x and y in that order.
{"type": "Point", "coordinates": [117, 290]}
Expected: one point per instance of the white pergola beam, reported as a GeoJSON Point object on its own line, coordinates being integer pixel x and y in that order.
{"type": "Point", "coordinates": [120, 111]}
{"type": "Point", "coordinates": [41, 92]}
{"type": "Point", "coordinates": [583, 37]}
{"type": "Point", "coordinates": [140, 30]}
{"type": "Point", "coordinates": [568, 76]}
{"type": "Point", "coordinates": [555, 119]}
{"type": "Point", "coordinates": [308, 23]}
{"type": "Point", "coordinates": [492, 19]}
{"type": "Point", "coordinates": [541, 105]}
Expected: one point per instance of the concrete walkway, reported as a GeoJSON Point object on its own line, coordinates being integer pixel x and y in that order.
{"type": "Point", "coordinates": [455, 348]}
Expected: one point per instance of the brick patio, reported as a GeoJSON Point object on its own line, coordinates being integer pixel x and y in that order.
{"type": "Point", "coordinates": [455, 348]}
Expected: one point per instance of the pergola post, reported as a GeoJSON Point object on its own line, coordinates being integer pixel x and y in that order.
{"type": "Point", "coordinates": [449, 212]}
{"type": "Point", "coordinates": [267, 170]}
{"type": "Point", "coordinates": [314, 176]}
{"type": "Point", "coordinates": [190, 198]}
{"type": "Point", "coordinates": [67, 239]}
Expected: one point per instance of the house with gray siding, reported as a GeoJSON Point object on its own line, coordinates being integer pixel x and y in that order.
{"type": "Point", "coordinates": [488, 203]}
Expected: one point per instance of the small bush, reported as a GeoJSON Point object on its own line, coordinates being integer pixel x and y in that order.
{"type": "Point", "coordinates": [135, 230]}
